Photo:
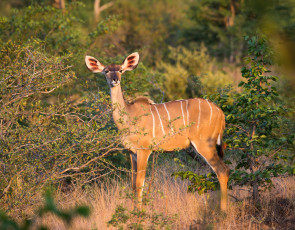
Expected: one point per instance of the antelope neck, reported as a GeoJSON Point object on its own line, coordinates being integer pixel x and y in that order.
{"type": "Point", "coordinates": [119, 107]}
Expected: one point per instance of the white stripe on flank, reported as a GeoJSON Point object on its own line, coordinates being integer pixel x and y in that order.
{"type": "Point", "coordinates": [211, 112]}
{"type": "Point", "coordinates": [187, 113]}
{"type": "Point", "coordinates": [199, 114]}
{"type": "Point", "coordinates": [182, 113]}
{"type": "Point", "coordinates": [167, 112]}
{"type": "Point", "coordinates": [153, 122]}
{"type": "Point", "coordinates": [169, 119]}
{"type": "Point", "coordinates": [160, 120]}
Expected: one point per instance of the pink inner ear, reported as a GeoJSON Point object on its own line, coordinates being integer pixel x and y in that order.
{"type": "Point", "coordinates": [130, 58]}
{"type": "Point", "coordinates": [93, 63]}
{"type": "Point", "coordinates": [131, 62]}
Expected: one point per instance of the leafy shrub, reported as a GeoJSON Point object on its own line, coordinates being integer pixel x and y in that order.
{"type": "Point", "coordinates": [44, 143]}
{"type": "Point", "coordinates": [49, 207]}
{"type": "Point", "coordinates": [191, 73]}
{"type": "Point", "coordinates": [147, 218]}
{"type": "Point", "coordinates": [253, 121]}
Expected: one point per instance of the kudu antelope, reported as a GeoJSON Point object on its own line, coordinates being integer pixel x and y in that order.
{"type": "Point", "coordinates": [166, 126]}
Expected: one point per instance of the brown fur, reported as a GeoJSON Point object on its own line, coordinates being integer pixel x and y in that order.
{"type": "Point", "coordinates": [169, 126]}
{"type": "Point", "coordinates": [142, 100]}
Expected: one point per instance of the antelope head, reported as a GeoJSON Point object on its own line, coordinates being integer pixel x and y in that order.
{"type": "Point", "coordinates": [112, 72]}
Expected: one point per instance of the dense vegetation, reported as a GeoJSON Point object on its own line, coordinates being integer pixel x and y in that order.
{"type": "Point", "coordinates": [55, 116]}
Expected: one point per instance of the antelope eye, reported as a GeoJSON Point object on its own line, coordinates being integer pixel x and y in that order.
{"type": "Point", "coordinates": [106, 71]}
{"type": "Point", "coordinates": [121, 71]}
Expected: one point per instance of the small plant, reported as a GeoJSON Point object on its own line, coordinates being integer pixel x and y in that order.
{"type": "Point", "coordinates": [147, 218]}
{"type": "Point", "coordinates": [49, 207]}
{"type": "Point", "coordinates": [253, 122]}
{"type": "Point", "coordinates": [198, 183]}
{"type": "Point", "coordinates": [253, 119]}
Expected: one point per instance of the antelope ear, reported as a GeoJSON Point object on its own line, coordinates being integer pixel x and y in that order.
{"type": "Point", "coordinates": [93, 65]}
{"type": "Point", "coordinates": [130, 62]}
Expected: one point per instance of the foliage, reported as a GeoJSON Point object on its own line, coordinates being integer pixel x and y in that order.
{"type": "Point", "coordinates": [44, 143]}
{"type": "Point", "coordinates": [49, 207]}
{"type": "Point", "coordinates": [147, 218]}
{"type": "Point", "coordinates": [254, 121]}
{"type": "Point", "coordinates": [220, 25]}
{"type": "Point", "coordinates": [43, 23]}
{"type": "Point", "coordinates": [148, 26]}
{"type": "Point", "coordinates": [198, 183]}
{"type": "Point", "coordinates": [60, 33]}
{"type": "Point", "coordinates": [190, 73]}
{"type": "Point", "coordinates": [56, 127]}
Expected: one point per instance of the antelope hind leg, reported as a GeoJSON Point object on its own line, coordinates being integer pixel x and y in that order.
{"type": "Point", "coordinates": [209, 153]}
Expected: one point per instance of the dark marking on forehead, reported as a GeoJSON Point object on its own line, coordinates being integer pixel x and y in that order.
{"type": "Point", "coordinates": [130, 58]}
{"type": "Point", "coordinates": [113, 67]}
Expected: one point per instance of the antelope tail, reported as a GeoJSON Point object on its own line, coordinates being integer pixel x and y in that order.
{"type": "Point", "coordinates": [220, 149]}
{"type": "Point", "coordinates": [220, 145]}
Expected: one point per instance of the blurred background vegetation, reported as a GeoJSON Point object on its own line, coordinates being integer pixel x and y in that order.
{"type": "Point", "coordinates": [55, 116]}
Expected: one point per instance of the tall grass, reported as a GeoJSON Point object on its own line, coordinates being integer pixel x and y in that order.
{"type": "Point", "coordinates": [192, 210]}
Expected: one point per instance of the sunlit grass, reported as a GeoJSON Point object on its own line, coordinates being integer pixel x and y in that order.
{"type": "Point", "coordinates": [169, 197]}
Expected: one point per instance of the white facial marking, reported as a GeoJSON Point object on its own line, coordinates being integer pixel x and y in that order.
{"type": "Point", "coordinates": [153, 122]}
{"type": "Point", "coordinates": [210, 112]}
{"type": "Point", "coordinates": [160, 120]}
{"type": "Point", "coordinates": [182, 113]}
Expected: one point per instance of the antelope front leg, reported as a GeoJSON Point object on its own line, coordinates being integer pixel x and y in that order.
{"type": "Point", "coordinates": [133, 158]}
{"type": "Point", "coordinates": [142, 159]}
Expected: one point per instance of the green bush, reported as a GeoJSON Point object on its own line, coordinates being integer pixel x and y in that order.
{"type": "Point", "coordinates": [191, 73]}
{"type": "Point", "coordinates": [49, 207]}
{"type": "Point", "coordinates": [253, 119]}
{"type": "Point", "coordinates": [43, 143]}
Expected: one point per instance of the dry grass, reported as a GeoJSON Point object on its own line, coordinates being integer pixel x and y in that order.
{"type": "Point", "coordinates": [193, 211]}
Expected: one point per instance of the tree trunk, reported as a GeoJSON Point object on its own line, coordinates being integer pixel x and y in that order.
{"type": "Point", "coordinates": [233, 14]}
{"type": "Point", "coordinates": [254, 168]}
{"type": "Point", "coordinates": [255, 193]}
{"type": "Point", "coordinates": [60, 4]}
{"type": "Point", "coordinates": [98, 9]}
